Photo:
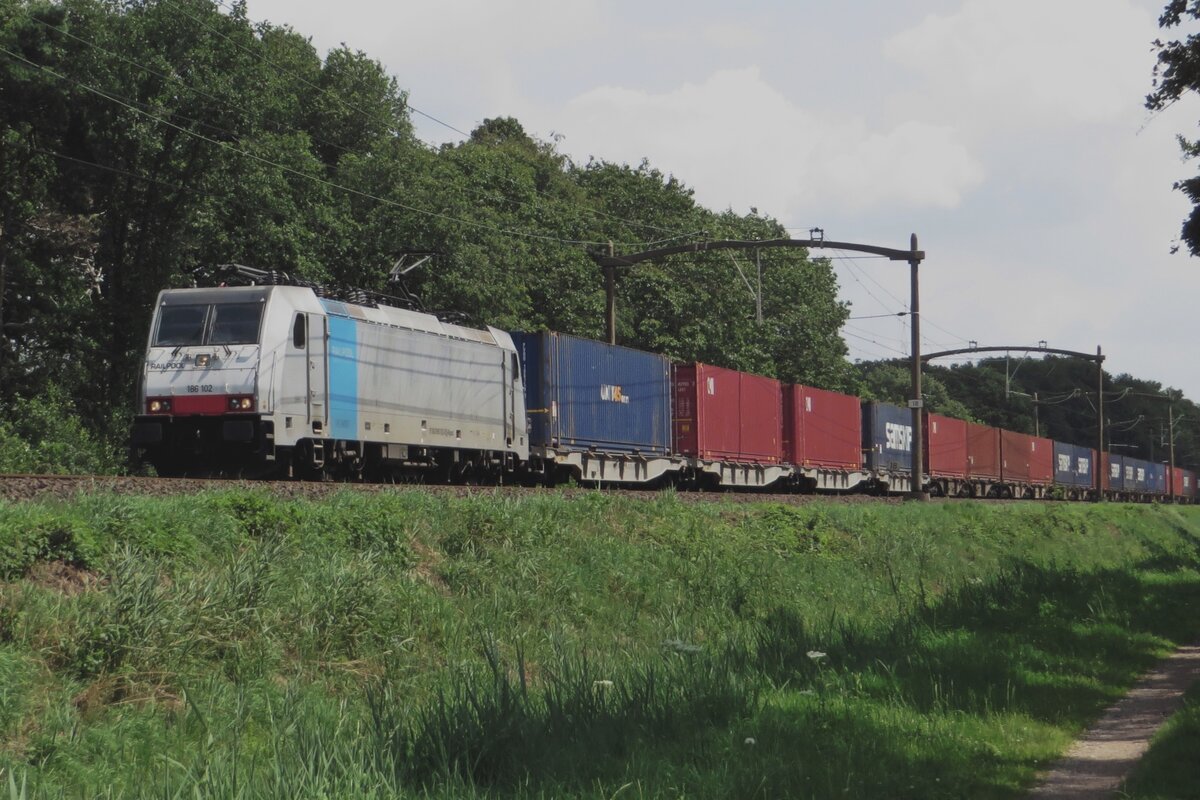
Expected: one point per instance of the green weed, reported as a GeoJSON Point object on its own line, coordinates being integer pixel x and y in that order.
{"type": "Point", "coordinates": [235, 644]}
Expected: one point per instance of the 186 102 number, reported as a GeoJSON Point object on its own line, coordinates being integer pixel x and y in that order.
{"type": "Point", "coordinates": [202, 388]}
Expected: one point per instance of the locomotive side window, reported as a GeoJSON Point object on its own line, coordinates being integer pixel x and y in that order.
{"type": "Point", "coordinates": [516, 367]}
{"type": "Point", "coordinates": [299, 335]}
{"type": "Point", "coordinates": [180, 325]}
{"type": "Point", "coordinates": [235, 323]}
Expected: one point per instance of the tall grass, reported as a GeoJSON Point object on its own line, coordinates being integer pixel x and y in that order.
{"type": "Point", "coordinates": [233, 644]}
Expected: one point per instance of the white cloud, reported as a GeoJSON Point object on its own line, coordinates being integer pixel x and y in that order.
{"type": "Point", "coordinates": [742, 142]}
{"type": "Point", "coordinates": [913, 164]}
{"type": "Point", "coordinates": [1029, 63]}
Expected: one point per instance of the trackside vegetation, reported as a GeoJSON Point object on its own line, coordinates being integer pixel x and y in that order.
{"type": "Point", "coordinates": [238, 644]}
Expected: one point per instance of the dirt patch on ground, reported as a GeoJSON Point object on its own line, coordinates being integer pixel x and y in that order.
{"type": "Point", "coordinates": [115, 690]}
{"type": "Point", "coordinates": [1097, 763]}
{"type": "Point", "coordinates": [427, 566]}
{"type": "Point", "coordinates": [64, 578]}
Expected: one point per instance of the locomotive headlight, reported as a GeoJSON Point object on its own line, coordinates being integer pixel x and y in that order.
{"type": "Point", "coordinates": [202, 360]}
{"type": "Point", "coordinates": [158, 405]}
{"type": "Point", "coordinates": [155, 406]}
{"type": "Point", "coordinates": [241, 404]}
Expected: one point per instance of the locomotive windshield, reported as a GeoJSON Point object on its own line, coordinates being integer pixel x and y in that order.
{"type": "Point", "coordinates": [235, 323]}
{"type": "Point", "coordinates": [222, 323]}
{"type": "Point", "coordinates": [181, 325]}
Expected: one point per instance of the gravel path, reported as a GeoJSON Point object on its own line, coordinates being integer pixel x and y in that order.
{"type": "Point", "coordinates": [1097, 763]}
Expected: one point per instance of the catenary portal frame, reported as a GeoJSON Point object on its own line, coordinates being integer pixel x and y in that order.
{"type": "Point", "coordinates": [1098, 358]}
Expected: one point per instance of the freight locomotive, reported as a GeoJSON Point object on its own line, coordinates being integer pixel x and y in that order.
{"type": "Point", "coordinates": [279, 380]}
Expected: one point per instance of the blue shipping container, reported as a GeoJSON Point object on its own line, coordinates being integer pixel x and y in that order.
{"type": "Point", "coordinates": [1073, 465]}
{"type": "Point", "coordinates": [583, 394]}
{"type": "Point", "coordinates": [1116, 472]}
{"type": "Point", "coordinates": [1156, 478]}
{"type": "Point", "coordinates": [1135, 474]}
{"type": "Point", "coordinates": [887, 437]}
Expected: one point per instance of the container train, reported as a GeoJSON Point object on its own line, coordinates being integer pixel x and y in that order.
{"type": "Point", "coordinates": [278, 380]}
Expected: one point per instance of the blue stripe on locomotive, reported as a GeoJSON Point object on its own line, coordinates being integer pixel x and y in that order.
{"type": "Point", "coordinates": [887, 437]}
{"type": "Point", "coordinates": [343, 377]}
{"type": "Point", "coordinates": [584, 394]}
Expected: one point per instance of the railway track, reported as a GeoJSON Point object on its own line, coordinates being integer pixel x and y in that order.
{"type": "Point", "coordinates": [17, 488]}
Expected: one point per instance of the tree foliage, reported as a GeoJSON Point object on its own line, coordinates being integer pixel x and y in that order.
{"type": "Point", "coordinates": [144, 139]}
{"type": "Point", "coordinates": [1177, 73]}
{"type": "Point", "coordinates": [1058, 396]}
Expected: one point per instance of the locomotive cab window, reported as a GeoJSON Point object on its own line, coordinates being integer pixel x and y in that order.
{"type": "Point", "coordinates": [298, 333]}
{"type": "Point", "coordinates": [516, 367]}
{"type": "Point", "coordinates": [235, 323]}
{"type": "Point", "coordinates": [181, 325]}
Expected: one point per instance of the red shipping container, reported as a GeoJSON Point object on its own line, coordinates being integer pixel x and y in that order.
{"type": "Point", "coordinates": [945, 446]}
{"type": "Point", "coordinates": [821, 428]}
{"type": "Point", "coordinates": [1184, 483]}
{"type": "Point", "coordinates": [983, 451]}
{"type": "Point", "coordinates": [725, 415]}
{"type": "Point", "coordinates": [1025, 458]}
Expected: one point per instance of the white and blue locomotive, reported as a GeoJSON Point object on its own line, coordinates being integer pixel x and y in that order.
{"type": "Point", "coordinates": [279, 381]}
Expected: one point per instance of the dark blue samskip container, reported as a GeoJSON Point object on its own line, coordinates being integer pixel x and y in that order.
{"type": "Point", "coordinates": [1156, 478]}
{"type": "Point", "coordinates": [1116, 472]}
{"type": "Point", "coordinates": [583, 395]}
{"type": "Point", "coordinates": [1136, 477]}
{"type": "Point", "coordinates": [1073, 465]}
{"type": "Point", "coordinates": [887, 437]}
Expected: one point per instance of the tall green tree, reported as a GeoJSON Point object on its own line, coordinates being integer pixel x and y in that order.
{"type": "Point", "coordinates": [1176, 74]}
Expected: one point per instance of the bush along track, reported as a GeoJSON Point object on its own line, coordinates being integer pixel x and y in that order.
{"type": "Point", "coordinates": [235, 644]}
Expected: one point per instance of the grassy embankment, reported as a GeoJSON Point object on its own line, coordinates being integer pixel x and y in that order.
{"type": "Point", "coordinates": [236, 645]}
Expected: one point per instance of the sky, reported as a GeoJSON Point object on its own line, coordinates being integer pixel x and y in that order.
{"type": "Point", "coordinates": [1011, 137]}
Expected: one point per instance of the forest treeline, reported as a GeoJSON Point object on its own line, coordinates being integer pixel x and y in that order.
{"type": "Point", "coordinates": [143, 142]}
{"type": "Point", "coordinates": [1054, 397]}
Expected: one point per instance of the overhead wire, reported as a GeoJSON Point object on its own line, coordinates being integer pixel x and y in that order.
{"type": "Point", "coordinates": [132, 106]}
{"type": "Point", "coordinates": [875, 342]}
{"type": "Point", "coordinates": [352, 107]}
{"type": "Point", "coordinates": [904, 316]}
{"type": "Point", "coordinates": [850, 330]}
{"type": "Point", "coordinates": [880, 316]}
{"type": "Point", "coordinates": [292, 129]}
{"type": "Point", "coordinates": [925, 320]}
{"type": "Point", "coordinates": [407, 105]}
{"type": "Point", "coordinates": [119, 171]}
